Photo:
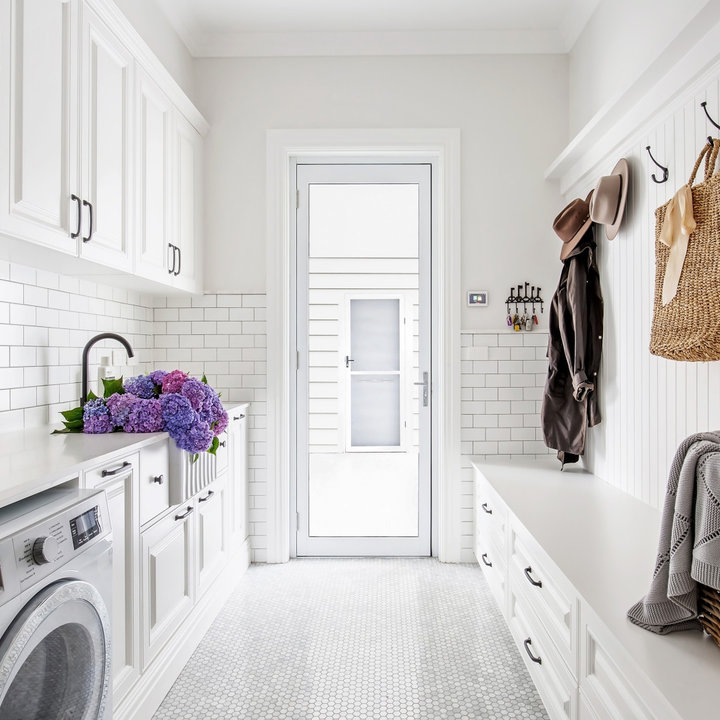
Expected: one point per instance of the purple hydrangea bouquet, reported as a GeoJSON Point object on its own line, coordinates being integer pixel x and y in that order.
{"type": "Point", "coordinates": [183, 406]}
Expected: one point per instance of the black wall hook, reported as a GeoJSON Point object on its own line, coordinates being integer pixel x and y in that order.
{"type": "Point", "coordinates": [662, 167]}
{"type": "Point", "coordinates": [703, 105]}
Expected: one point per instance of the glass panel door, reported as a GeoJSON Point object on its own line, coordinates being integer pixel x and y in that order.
{"type": "Point", "coordinates": [363, 337]}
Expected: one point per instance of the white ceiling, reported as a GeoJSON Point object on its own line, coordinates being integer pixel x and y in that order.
{"type": "Point", "coordinates": [222, 28]}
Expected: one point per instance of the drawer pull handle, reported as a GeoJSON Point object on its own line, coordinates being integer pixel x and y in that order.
{"type": "Point", "coordinates": [223, 443]}
{"type": "Point", "coordinates": [535, 658]}
{"type": "Point", "coordinates": [207, 497]}
{"type": "Point", "coordinates": [531, 579]}
{"type": "Point", "coordinates": [486, 508]}
{"type": "Point", "coordinates": [107, 473]}
{"type": "Point", "coordinates": [238, 417]}
{"type": "Point", "coordinates": [159, 479]}
{"type": "Point", "coordinates": [485, 560]}
{"type": "Point", "coordinates": [185, 514]}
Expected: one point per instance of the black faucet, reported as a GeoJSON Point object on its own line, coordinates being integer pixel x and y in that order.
{"type": "Point", "coordinates": [86, 351]}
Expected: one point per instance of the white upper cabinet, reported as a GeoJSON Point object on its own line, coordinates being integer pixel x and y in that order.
{"type": "Point", "coordinates": [100, 153]}
{"type": "Point", "coordinates": [106, 145]}
{"type": "Point", "coordinates": [186, 206]}
{"type": "Point", "coordinates": [153, 257]}
{"type": "Point", "coordinates": [38, 164]}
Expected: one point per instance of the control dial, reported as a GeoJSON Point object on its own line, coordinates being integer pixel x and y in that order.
{"type": "Point", "coordinates": [45, 550]}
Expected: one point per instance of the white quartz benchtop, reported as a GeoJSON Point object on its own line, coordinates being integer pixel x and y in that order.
{"type": "Point", "coordinates": [605, 542]}
{"type": "Point", "coordinates": [33, 460]}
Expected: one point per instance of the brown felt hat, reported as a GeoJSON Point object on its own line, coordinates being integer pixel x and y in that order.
{"type": "Point", "coordinates": [572, 223]}
{"type": "Point", "coordinates": [607, 206]}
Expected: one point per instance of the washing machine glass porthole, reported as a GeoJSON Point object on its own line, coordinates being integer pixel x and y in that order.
{"type": "Point", "coordinates": [54, 659]}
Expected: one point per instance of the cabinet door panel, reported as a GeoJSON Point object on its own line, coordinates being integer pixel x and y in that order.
{"type": "Point", "coordinates": [106, 134]}
{"type": "Point", "coordinates": [168, 594]}
{"type": "Point", "coordinates": [237, 438]}
{"type": "Point", "coordinates": [212, 537]}
{"type": "Point", "coordinates": [38, 43]}
{"type": "Point", "coordinates": [187, 202]}
{"type": "Point", "coordinates": [153, 259]}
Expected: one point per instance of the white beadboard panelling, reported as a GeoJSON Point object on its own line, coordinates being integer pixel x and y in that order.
{"type": "Point", "coordinates": [649, 404]}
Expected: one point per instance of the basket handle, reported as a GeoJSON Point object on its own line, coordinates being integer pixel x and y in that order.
{"type": "Point", "coordinates": [710, 153]}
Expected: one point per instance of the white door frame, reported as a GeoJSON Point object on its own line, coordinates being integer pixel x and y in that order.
{"type": "Point", "coordinates": [440, 148]}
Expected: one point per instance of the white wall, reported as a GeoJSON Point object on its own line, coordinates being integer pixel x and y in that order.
{"type": "Point", "coordinates": [512, 111]}
{"type": "Point", "coordinates": [649, 404]}
{"type": "Point", "coordinates": [150, 23]}
{"type": "Point", "coordinates": [622, 41]}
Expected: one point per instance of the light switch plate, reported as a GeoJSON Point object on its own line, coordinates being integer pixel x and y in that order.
{"type": "Point", "coordinates": [477, 298]}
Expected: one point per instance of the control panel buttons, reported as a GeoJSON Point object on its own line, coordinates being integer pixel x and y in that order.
{"type": "Point", "coordinates": [45, 550]}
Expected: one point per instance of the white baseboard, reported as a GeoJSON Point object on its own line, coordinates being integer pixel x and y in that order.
{"type": "Point", "coordinates": [145, 697]}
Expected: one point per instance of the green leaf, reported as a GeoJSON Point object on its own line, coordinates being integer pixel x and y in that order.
{"type": "Point", "coordinates": [194, 458]}
{"type": "Point", "coordinates": [74, 414]}
{"type": "Point", "coordinates": [112, 386]}
{"type": "Point", "coordinates": [92, 395]}
{"type": "Point", "coordinates": [203, 379]}
{"type": "Point", "coordinates": [214, 446]}
{"type": "Point", "coordinates": [73, 424]}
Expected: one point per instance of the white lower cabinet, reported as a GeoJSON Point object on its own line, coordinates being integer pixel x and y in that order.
{"type": "Point", "coordinates": [119, 480]}
{"type": "Point", "coordinates": [167, 578]}
{"type": "Point", "coordinates": [212, 535]}
{"type": "Point", "coordinates": [238, 487]}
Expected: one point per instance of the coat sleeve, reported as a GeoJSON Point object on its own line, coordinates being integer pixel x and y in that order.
{"type": "Point", "coordinates": [575, 326]}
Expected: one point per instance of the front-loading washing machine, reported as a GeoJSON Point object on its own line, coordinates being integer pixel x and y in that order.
{"type": "Point", "coordinates": [55, 601]}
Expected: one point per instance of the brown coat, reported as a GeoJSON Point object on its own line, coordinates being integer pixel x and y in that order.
{"type": "Point", "coordinates": [570, 401]}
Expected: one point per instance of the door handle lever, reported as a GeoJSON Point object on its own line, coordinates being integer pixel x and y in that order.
{"type": "Point", "coordinates": [426, 388]}
{"type": "Point", "coordinates": [348, 360]}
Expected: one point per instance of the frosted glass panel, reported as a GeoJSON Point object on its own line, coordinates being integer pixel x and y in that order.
{"type": "Point", "coordinates": [375, 334]}
{"type": "Point", "coordinates": [375, 413]}
{"type": "Point", "coordinates": [361, 221]}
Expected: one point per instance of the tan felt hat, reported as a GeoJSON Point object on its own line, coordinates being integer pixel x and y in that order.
{"type": "Point", "coordinates": [571, 224]}
{"type": "Point", "coordinates": [607, 206]}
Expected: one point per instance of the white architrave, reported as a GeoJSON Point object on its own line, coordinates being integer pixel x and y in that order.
{"type": "Point", "coordinates": [440, 147]}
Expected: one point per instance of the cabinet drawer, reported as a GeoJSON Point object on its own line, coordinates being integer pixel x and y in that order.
{"type": "Point", "coordinates": [555, 684]}
{"type": "Point", "coordinates": [493, 566]}
{"type": "Point", "coordinates": [154, 481]}
{"type": "Point", "coordinates": [109, 470]}
{"type": "Point", "coordinates": [606, 689]}
{"type": "Point", "coordinates": [548, 593]}
{"type": "Point", "coordinates": [490, 514]}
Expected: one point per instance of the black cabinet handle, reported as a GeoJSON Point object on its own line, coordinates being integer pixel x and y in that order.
{"type": "Point", "coordinates": [90, 208]}
{"type": "Point", "coordinates": [485, 507]}
{"type": "Point", "coordinates": [485, 560]}
{"type": "Point", "coordinates": [179, 265]}
{"type": "Point", "coordinates": [159, 479]}
{"type": "Point", "coordinates": [171, 270]}
{"type": "Point", "coordinates": [223, 443]}
{"type": "Point", "coordinates": [106, 473]}
{"type": "Point", "coordinates": [185, 514]}
{"type": "Point", "coordinates": [79, 216]}
{"type": "Point", "coordinates": [207, 497]}
{"type": "Point", "coordinates": [535, 658]}
{"type": "Point", "coordinates": [531, 580]}
{"type": "Point", "coordinates": [238, 417]}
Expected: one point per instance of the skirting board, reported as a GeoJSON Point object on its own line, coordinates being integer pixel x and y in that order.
{"type": "Point", "coordinates": [150, 690]}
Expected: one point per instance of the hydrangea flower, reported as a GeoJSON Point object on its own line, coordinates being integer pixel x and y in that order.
{"type": "Point", "coordinates": [197, 439]}
{"type": "Point", "coordinates": [157, 376]}
{"type": "Point", "coordinates": [198, 393]}
{"type": "Point", "coordinates": [173, 381]}
{"type": "Point", "coordinates": [145, 416]}
{"type": "Point", "coordinates": [120, 407]}
{"type": "Point", "coordinates": [177, 413]}
{"type": "Point", "coordinates": [141, 386]}
{"type": "Point", "coordinates": [96, 417]}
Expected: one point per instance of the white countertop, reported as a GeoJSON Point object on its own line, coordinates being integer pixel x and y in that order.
{"type": "Point", "coordinates": [605, 542]}
{"type": "Point", "coordinates": [34, 460]}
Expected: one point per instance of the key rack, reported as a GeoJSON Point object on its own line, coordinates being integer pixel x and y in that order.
{"type": "Point", "coordinates": [527, 300]}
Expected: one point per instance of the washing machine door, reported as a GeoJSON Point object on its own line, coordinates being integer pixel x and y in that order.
{"type": "Point", "coordinates": [55, 656]}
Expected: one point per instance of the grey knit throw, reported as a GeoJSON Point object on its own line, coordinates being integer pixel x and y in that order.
{"type": "Point", "coordinates": [689, 546]}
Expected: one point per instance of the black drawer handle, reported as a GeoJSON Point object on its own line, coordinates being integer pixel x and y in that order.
{"type": "Point", "coordinates": [159, 479]}
{"type": "Point", "coordinates": [535, 658]}
{"type": "Point", "coordinates": [223, 443]}
{"type": "Point", "coordinates": [79, 216]}
{"type": "Point", "coordinates": [92, 222]}
{"type": "Point", "coordinates": [238, 417]}
{"type": "Point", "coordinates": [531, 579]}
{"type": "Point", "coordinates": [486, 508]}
{"type": "Point", "coordinates": [207, 497]}
{"type": "Point", "coordinates": [185, 514]}
{"type": "Point", "coordinates": [171, 270]}
{"type": "Point", "coordinates": [106, 473]}
{"type": "Point", "coordinates": [179, 263]}
{"type": "Point", "coordinates": [484, 558]}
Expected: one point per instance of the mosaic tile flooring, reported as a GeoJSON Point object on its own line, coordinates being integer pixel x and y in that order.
{"type": "Point", "coordinates": [365, 639]}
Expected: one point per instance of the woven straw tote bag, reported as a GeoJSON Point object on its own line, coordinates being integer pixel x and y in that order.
{"type": "Point", "coordinates": [688, 327]}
